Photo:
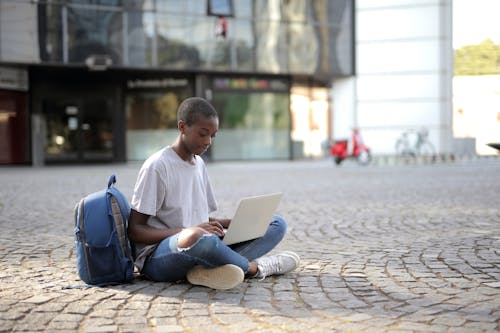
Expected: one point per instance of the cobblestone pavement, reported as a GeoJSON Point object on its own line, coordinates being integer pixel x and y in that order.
{"type": "Point", "coordinates": [383, 248]}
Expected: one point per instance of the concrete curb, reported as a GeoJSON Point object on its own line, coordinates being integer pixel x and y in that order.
{"type": "Point", "coordinates": [429, 160]}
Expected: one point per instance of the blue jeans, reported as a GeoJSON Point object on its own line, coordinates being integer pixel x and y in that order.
{"type": "Point", "coordinates": [169, 263]}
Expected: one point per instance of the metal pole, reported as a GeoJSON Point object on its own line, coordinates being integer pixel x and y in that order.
{"type": "Point", "coordinates": [64, 17]}
{"type": "Point", "coordinates": [154, 46]}
{"type": "Point", "coordinates": [125, 58]}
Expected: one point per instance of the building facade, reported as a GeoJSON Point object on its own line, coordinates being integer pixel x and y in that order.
{"type": "Point", "coordinates": [404, 73]}
{"type": "Point", "coordinates": [100, 81]}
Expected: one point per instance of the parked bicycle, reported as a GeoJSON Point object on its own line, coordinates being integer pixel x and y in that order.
{"type": "Point", "coordinates": [413, 143]}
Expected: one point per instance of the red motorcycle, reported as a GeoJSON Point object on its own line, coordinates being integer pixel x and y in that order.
{"type": "Point", "coordinates": [359, 151]}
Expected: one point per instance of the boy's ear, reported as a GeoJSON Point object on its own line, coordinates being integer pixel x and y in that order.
{"type": "Point", "coordinates": [181, 125]}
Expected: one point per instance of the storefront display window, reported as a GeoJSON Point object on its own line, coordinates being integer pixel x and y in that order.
{"type": "Point", "coordinates": [151, 111]}
{"type": "Point", "coordinates": [310, 131]}
{"type": "Point", "coordinates": [254, 119]}
{"type": "Point", "coordinates": [78, 129]}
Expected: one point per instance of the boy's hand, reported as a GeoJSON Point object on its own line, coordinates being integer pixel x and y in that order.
{"type": "Point", "coordinates": [213, 227]}
{"type": "Point", "coordinates": [223, 222]}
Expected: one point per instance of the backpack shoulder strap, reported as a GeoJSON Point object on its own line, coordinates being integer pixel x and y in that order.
{"type": "Point", "coordinates": [120, 198]}
{"type": "Point", "coordinates": [119, 208]}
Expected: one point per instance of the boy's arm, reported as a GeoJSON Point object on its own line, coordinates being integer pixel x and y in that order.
{"type": "Point", "coordinates": [139, 231]}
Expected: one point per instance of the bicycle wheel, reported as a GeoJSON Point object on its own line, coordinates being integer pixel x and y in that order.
{"type": "Point", "coordinates": [402, 148]}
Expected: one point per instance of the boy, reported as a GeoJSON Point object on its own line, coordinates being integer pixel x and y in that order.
{"type": "Point", "coordinates": [169, 223]}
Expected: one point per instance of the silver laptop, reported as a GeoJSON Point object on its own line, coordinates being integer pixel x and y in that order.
{"type": "Point", "coordinates": [252, 218]}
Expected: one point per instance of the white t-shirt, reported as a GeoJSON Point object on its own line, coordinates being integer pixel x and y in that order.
{"type": "Point", "coordinates": [175, 193]}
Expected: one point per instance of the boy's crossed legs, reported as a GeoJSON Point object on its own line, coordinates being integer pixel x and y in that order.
{"type": "Point", "coordinates": [205, 260]}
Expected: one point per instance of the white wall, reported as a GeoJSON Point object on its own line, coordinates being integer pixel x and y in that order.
{"type": "Point", "coordinates": [344, 107]}
{"type": "Point", "coordinates": [18, 32]}
{"type": "Point", "coordinates": [404, 61]}
{"type": "Point", "coordinates": [476, 110]}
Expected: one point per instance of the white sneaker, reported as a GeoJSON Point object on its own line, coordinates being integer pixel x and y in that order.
{"type": "Point", "coordinates": [281, 263]}
{"type": "Point", "coordinates": [293, 254]}
{"type": "Point", "coordinates": [222, 277]}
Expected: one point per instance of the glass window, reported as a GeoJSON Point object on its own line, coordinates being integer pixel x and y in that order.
{"type": "Point", "coordinates": [309, 108]}
{"type": "Point", "coordinates": [191, 7]}
{"type": "Point", "coordinates": [107, 3]}
{"type": "Point", "coordinates": [302, 48]}
{"type": "Point", "coordinates": [61, 130]}
{"type": "Point", "coordinates": [293, 36]}
{"type": "Point", "coordinates": [269, 10]}
{"type": "Point", "coordinates": [140, 38]}
{"type": "Point", "coordinates": [244, 41]}
{"type": "Point", "coordinates": [152, 120]}
{"type": "Point", "coordinates": [333, 25]}
{"type": "Point", "coordinates": [149, 4]}
{"type": "Point", "coordinates": [243, 9]}
{"type": "Point", "coordinates": [174, 33]}
{"type": "Point", "coordinates": [195, 7]}
{"type": "Point", "coordinates": [252, 126]}
{"type": "Point", "coordinates": [202, 39]}
{"type": "Point", "coordinates": [220, 7]}
{"type": "Point", "coordinates": [270, 55]}
{"type": "Point", "coordinates": [294, 11]}
{"type": "Point", "coordinates": [331, 11]}
{"type": "Point", "coordinates": [78, 128]}
{"type": "Point", "coordinates": [94, 31]}
{"type": "Point", "coordinates": [97, 129]}
{"type": "Point", "coordinates": [50, 33]}
{"type": "Point", "coordinates": [221, 49]}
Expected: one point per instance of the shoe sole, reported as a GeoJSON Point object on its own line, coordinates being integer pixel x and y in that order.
{"type": "Point", "coordinates": [222, 277]}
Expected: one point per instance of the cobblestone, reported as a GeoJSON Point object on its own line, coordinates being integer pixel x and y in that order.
{"type": "Point", "coordinates": [384, 248]}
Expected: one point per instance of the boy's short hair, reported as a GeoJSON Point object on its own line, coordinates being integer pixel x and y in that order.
{"type": "Point", "coordinates": [192, 108]}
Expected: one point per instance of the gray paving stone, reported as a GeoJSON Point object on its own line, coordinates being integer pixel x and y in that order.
{"type": "Point", "coordinates": [169, 329]}
{"type": "Point", "coordinates": [101, 329]}
{"type": "Point", "coordinates": [383, 249]}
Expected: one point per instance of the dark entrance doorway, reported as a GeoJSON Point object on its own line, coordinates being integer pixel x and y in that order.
{"type": "Point", "coordinates": [79, 127]}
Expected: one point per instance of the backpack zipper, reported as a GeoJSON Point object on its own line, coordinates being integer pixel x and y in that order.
{"type": "Point", "coordinates": [84, 241]}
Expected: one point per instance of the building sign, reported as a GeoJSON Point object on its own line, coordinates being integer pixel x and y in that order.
{"type": "Point", "coordinates": [250, 84]}
{"type": "Point", "coordinates": [156, 83]}
{"type": "Point", "coordinates": [13, 78]}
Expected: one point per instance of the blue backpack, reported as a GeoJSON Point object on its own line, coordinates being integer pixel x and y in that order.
{"type": "Point", "coordinates": [103, 251]}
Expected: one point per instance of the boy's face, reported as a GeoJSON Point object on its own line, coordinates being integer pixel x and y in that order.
{"type": "Point", "coordinates": [198, 137]}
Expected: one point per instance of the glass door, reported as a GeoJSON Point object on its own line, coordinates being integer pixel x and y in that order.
{"type": "Point", "coordinates": [310, 121]}
{"type": "Point", "coordinates": [78, 129]}
{"type": "Point", "coordinates": [97, 129]}
{"type": "Point", "coordinates": [61, 130]}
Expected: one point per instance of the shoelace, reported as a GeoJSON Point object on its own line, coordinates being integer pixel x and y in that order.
{"type": "Point", "coordinates": [268, 266]}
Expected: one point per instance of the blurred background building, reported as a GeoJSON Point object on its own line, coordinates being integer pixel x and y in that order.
{"type": "Point", "coordinates": [476, 84]}
{"type": "Point", "coordinates": [100, 80]}
{"type": "Point", "coordinates": [404, 71]}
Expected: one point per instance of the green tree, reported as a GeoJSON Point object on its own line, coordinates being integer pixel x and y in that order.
{"type": "Point", "coordinates": [480, 59]}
